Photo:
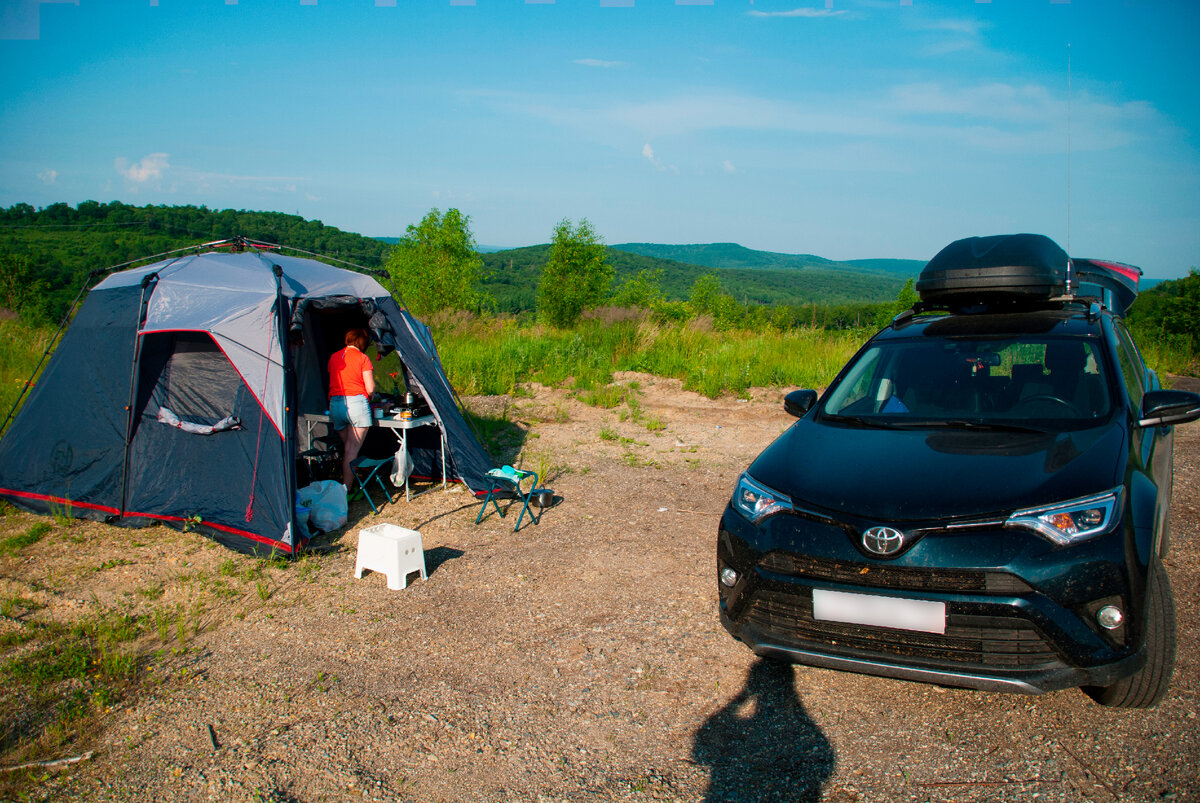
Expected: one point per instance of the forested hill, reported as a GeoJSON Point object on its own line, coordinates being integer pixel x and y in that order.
{"type": "Point", "coordinates": [732, 255]}
{"type": "Point", "coordinates": [512, 278]}
{"type": "Point", "coordinates": [47, 253]}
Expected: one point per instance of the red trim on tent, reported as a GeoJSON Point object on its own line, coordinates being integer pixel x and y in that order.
{"type": "Point", "coordinates": [232, 364]}
{"type": "Point", "coordinates": [58, 500]}
{"type": "Point", "coordinates": [262, 539]}
{"type": "Point", "coordinates": [114, 511]}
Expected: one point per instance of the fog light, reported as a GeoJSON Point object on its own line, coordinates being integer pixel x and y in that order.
{"type": "Point", "coordinates": [1110, 617]}
{"type": "Point", "coordinates": [729, 577]}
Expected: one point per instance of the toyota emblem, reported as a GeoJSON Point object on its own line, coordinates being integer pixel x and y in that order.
{"type": "Point", "coordinates": [882, 540]}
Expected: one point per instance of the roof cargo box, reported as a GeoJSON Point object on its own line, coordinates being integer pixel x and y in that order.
{"type": "Point", "coordinates": [1005, 266]}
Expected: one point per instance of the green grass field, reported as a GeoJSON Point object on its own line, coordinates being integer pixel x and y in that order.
{"type": "Point", "coordinates": [493, 355]}
{"type": "Point", "coordinates": [21, 348]}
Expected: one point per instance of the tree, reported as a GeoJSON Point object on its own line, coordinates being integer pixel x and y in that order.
{"type": "Point", "coordinates": [708, 298]}
{"type": "Point", "coordinates": [21, 290]}
{"type": "Point", "coordinates": [643, 289]}
{"type": "Point", "coordinates": [435, 265]}
{"type": "Point", "coordinates": [904, 300]}
{"type": "Point", "coordinates": [576, 277]}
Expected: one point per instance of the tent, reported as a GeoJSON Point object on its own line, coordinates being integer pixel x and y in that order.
{"type": "Point", "coordinates": [179, 391]}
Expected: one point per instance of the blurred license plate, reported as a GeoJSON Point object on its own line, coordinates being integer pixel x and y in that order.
{"type": "Point", "coordinates": [867, 609]}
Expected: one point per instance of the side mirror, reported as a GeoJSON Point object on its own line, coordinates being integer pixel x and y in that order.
{"type": "Point", "coordinates": [1162, 408]}
{"type": "Point", "coordinates": [799, 402]}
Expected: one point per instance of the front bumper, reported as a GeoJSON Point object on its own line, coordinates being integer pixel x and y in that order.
{"type": "Point", "coordinates": [1017, 615]}
{"type": "Point", "coordinates": [1051, 677]}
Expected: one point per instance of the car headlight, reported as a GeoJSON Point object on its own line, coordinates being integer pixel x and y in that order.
{"type": "Point", "coordinates": [1070, 522]}
{"type": "Point", "coordinates": [756, 501]}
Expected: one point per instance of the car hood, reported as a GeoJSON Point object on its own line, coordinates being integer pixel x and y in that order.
{"type": "Point", "coordinates": [914, 475]}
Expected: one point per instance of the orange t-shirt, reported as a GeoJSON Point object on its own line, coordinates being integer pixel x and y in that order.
{"type": "Point", "coordinates": [346, 369]}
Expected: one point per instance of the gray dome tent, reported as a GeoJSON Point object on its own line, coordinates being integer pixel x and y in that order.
{"type": "Point", "coordinates": [174, 396]}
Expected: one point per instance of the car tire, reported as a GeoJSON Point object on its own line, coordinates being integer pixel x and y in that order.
{"type": "Point", "coordinates": [1146, 687]}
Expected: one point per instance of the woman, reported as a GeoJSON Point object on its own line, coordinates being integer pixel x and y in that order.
{"type": "Point", "coordinates": [351, 383]}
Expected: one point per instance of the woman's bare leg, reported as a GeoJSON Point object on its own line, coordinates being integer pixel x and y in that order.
{"type": "Point", "coordinates": [352, 441]}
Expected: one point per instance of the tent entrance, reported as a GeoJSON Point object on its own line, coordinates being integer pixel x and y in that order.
{"type": "Point", "coordinates": [202, 448]}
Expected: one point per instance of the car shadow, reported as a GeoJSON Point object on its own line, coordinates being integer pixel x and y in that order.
{"type": "Point", "coordinates": [762, 745]}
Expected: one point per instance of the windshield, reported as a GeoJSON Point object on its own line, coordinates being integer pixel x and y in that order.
{"type": "Point", "coordinates": [1028, 382]}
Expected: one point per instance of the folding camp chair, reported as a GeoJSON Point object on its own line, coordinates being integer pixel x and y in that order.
{"type": "Point", "coordinates": [372, 467]}
{"type": "Point", "coordinates": [505, 483]}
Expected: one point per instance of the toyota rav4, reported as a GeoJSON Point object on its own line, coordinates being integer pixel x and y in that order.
{"type": "Point", "coordinates": [979, 499]}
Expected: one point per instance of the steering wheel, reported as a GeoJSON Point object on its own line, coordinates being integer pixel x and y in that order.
{"type": "Point", "coordinates": [1046, 397]}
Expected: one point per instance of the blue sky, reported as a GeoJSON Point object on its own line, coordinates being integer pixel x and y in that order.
{"type": "Point", "coordinates": [843, 128]}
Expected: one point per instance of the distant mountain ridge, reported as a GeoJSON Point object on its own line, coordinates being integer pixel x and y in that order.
{"type": "Point", "coordinates": [512, 275]}
{"type": "Point", "coordinates": [733, 255]}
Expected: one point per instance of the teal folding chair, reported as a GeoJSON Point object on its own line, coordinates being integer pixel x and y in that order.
{"type": "Point", "coordinates": [373, 468]}
{"type": "Point", "coordinates": [505, 483]}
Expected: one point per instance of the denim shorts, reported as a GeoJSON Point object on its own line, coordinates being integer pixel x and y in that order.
{"type": "Point", "coordinates": [352, 410]}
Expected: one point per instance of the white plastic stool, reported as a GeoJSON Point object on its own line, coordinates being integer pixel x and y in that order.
{"type": "Point", "coordinates": [391, 550]}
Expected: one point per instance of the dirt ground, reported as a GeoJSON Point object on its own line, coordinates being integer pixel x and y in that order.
{"type": "Point", "coordinates": [578, 659]}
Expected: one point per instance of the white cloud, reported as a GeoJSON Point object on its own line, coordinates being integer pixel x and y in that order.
{"type": "Point", "coordinates": [48, 176]}
{"type": "Point", "coordinates": [728, 167]}
{"type": "Point", "coordinates": [993, 117]}
{"type": "Point", "coordinates": [151, 167]}
{"type": "Point", "coordinates": [598, 63]}
{"type": "Point", "coordinates": [960, 34]}
{"type": "Point", "coordinates": [807, 13]}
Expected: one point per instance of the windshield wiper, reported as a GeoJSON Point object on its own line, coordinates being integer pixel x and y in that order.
{"type": "Point", "coordinates": [992, 426]}
{"type": "Point", "coordinates": [859, 421]}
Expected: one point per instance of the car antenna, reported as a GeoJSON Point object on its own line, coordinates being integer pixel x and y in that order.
{"type": "Point", "coordinates": [1068, 147]}
{"type": "Point", "coordinates": [1069, 272]}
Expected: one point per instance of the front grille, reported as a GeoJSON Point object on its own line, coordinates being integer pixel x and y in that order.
{"type": "Point", "coordinates": [878, 575]}
{"type": "Point", "coordinates": [994, 641]}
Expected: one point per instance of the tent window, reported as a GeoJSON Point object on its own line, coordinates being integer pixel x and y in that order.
{"type": "Point", "coordinates": [194, 380]}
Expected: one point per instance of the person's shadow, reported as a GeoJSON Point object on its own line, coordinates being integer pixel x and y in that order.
{"type": "Point", "coordinates": [762, 745]}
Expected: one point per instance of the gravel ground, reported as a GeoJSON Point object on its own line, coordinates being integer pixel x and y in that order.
{"type": "Point", "coordinates": [581, 658]}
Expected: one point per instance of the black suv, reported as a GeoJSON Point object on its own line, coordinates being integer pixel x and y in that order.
{"type": "Point", "coordinates": [979, 499]}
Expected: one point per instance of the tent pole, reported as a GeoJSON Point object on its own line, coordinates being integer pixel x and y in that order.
{"type": "Point", "coordinates": [134, 372]}
{"type": "Point", "coordinates": [282, 318]}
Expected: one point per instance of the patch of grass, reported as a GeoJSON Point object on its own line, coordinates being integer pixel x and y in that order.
{"type": "Point", "coordinates": [228, 568]}
{"type": "Point", "coordinates": [263, 589]}
{"type": "Point", "coordinates": [546, 467]}
{"type": "Point", "coordinates": [492, 357]}
{"type": "Point", "coordinates": [61, 512]}
{"type": "Point", "coordinates": [162, 624]}
{"type": "Point", "coordinates": [325, 682]}
{"type": "Point", "coordinates": [12, 606]}
{"type": "Point", "coordinates": [112, 564]}
{"type": "Point", "coordinates": [60, 680]}
{"type": "Point", "coordinates": [608, 434]}
{"type": "Point", "coordinates": [608, 396]}
{"type": "Point", "coordinates": [14, 543]}
{"type": "Point", "coordinates": [309, 567]}
{"type": "Point", "coordinates": [634, 460]}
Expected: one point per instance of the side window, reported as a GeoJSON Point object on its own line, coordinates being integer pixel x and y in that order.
{"type": "Point", "coordinates": [849, 396]}
{"type": "Point", "coordinates": [1132, 368]}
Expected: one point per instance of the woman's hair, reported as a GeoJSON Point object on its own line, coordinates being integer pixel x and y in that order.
{"type": "Point", "coordinates": [358, 338]}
